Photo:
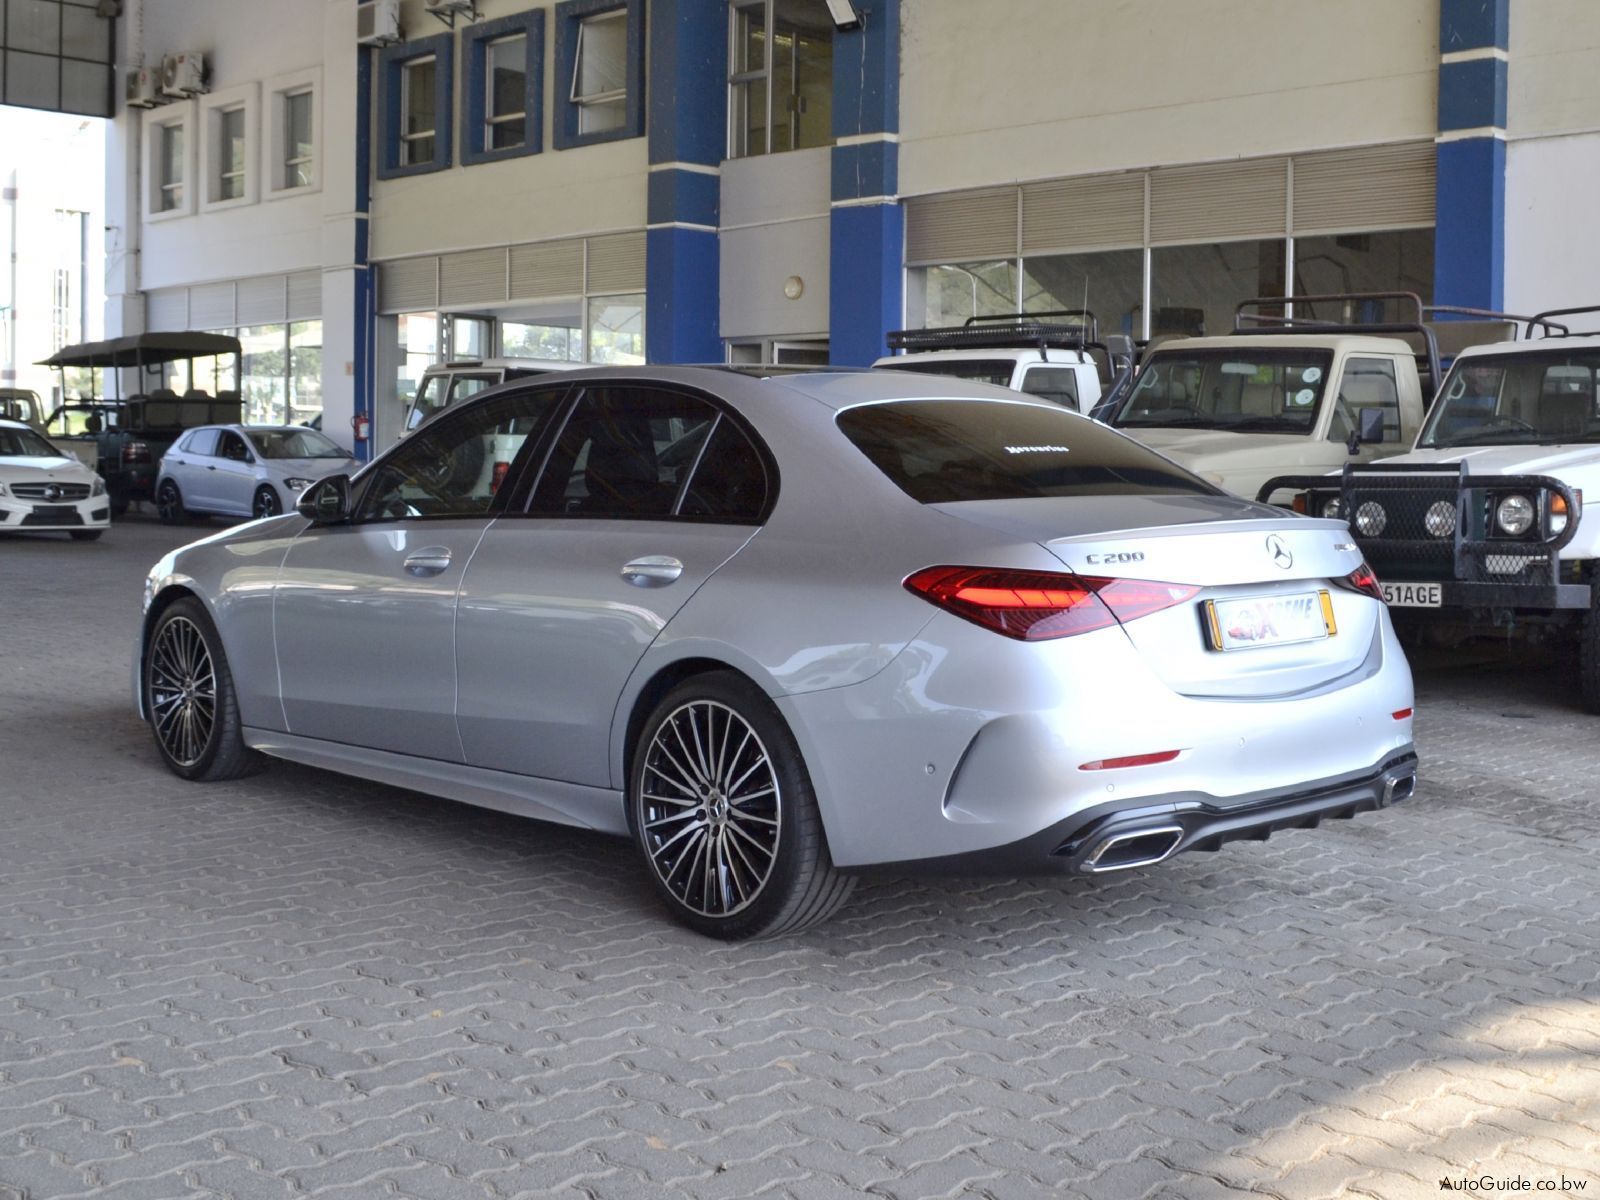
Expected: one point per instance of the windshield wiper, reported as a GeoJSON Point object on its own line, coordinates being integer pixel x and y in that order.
{"type": "Point", "coordinates": [1495, 437]}
{"type": "Point", "coordinates": [1166, 422]}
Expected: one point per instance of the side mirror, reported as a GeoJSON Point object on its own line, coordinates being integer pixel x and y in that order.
{"type": "Point", "coordinates": [1369, 426]}
{"type": "Point", "coordinates": [326, 502]}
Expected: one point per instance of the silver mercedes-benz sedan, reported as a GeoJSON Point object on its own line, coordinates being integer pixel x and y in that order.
{"type": "Point", "coordinates": [784, 630]}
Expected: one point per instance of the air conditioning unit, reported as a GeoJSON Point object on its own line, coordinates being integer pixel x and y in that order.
{"type": "Point", "coordinates": [448, 10]}
{"type": "Point", "coordinates": [144, 87]}
{"type": "Point", "coordinates": [183, 75]}
{"type": "Point", "coordinates": [378, 23]}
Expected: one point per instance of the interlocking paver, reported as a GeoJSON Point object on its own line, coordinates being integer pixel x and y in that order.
{"type": "Point", "coordinates": [307, 986]}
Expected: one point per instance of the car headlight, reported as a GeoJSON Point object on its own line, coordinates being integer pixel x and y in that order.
{"type": "Point", "coordinates": [1441, 519]}
{"type": "Point", "coordinates": [1514, 515]}
{"type": "Point", "coordinates": [1334, 509]}
{"type": "Point", "coordinates": [298, 485]}
{"type": "Point", "coordinates": [99, 488]}
{"type": "Point", "coordinates": [1371, 519]}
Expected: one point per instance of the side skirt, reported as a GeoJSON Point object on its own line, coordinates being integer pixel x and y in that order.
{"type": "Point", "coordinates": [594, 808]}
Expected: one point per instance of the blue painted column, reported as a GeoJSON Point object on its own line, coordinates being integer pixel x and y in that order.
{"type": "Point", "coordinates": [866, 288]}
{"type": "Point", "coordinates": [1469, 237]}
{"type": "Point", "coordinates": [688, 134]}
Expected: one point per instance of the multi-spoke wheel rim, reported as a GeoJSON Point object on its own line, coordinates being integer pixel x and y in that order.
{"type": "Point", "coordinates": [710, 809]}
{"type": "Point", "coordinates": [183, 691]}
{"type": "Point", "coordinates": [266, 504]}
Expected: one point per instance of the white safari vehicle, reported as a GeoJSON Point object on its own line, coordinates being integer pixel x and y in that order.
{"type": "Point", "coordinates": [447, 383]}
{"type": "Point", "coordinates": [1284, 395]}
{"type": "Point", "coordinates": [1479, 529]}
{"type": "Point", "coordinates": [1057, 356]}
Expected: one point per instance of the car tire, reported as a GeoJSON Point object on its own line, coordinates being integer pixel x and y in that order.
{"type": "Point", "coordinates": [265, 503]}
{"type": "Point", "coordinates": [772, 872]}
{"type": "Point", "coordinates": [169, 504]}
{"type": "Point", "coordinates": [86, 535]}
{"type": "Point", "coordinates": [1589, 650]}
{"type": "Point", "coordinates": [184, 668]}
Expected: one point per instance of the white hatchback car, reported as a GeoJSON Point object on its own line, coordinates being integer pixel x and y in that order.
{"type": "Point", "coordinates": [244, 470]}
{"type": "Point", "coordinates": [43, 488]}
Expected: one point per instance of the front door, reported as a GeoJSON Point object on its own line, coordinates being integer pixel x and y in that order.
{"type": "Point", "coordinates": [365, 611]}
{"type": "Point", "coordinates": [562, 600]}
{"type": "Point", "coordinates": [233, 479]}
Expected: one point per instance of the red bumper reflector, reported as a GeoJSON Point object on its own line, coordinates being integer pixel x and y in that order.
{"type": "Point", "coordinates": [1401, 715]}
{"type": "Point", "coordinates": [1131, 760]}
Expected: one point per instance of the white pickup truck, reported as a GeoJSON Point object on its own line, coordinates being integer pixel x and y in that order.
{"type": "Point", "coordinates": [1056, 356]}
{"type": "Point", "coordinates": [1479, 529]}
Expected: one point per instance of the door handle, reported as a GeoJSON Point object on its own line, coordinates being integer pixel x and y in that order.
{"type": "Point", "coordinates": [429, 561]}
{"type": "Point", "coordinates": [211, 468]}
{"type": "Point", "coordinates": [653, 570]}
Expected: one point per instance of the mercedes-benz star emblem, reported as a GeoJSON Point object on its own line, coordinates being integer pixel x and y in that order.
{"type": "Point", "coordinates": [1280, 553]}
{"type": "Point", "coordinates": [52, 492]}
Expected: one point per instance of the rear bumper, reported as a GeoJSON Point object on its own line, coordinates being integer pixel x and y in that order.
{"type": "Point", "coordinates": [1137, 833]}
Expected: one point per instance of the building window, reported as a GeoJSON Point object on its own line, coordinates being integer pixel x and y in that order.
{"type": "Point", "coordinates": [417, 81]}
{"type": "Point", "coordinates": [616, 329]}
{"type": "Point", "coordinates": [503, 116]}
{"type": "Point", "coordinates": [230, 154]}
{"type": "Point", "coordinates": [170, 163]}
{"type": "Point", "coordinates": [780, 77]}
{"type": "Point", "coordinates": [600, 53]}
{"type": "Point", "coordinates": [298, 143]}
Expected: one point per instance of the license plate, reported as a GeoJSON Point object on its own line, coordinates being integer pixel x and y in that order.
{"type": "Point", "coordinates": [1250, 622]}
{"type": "Point", "coordinates": [1413, 595]}
{"type": "Point", "coordinates": [54, 512]}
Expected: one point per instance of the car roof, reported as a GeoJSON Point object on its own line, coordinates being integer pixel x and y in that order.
{"type": "Point", "coordinates": [481, 364]}
{"type": "Point", "coordinates": [1061, 357]}
{"type": "Point", "coordinates": [1553, 345]}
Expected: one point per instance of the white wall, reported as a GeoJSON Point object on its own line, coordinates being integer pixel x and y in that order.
{"type": "Point", "coordinates": [774, 225]}
{"type": "Point", "coordinates": [1554, 79]}
{"type": "Point", "coordinates": [1007, 90]}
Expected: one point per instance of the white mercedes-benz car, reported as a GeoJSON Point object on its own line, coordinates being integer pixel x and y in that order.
{"type": "Point", "coordinates": [44, 489]}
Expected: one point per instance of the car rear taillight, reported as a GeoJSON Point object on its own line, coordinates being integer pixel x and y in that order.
{"type": "Point", "coordinates": [136, 452]}
{"type": "Point", "coordinates": [1035, 606]}
{"type": "Point", "coordinates": [1364, 580]}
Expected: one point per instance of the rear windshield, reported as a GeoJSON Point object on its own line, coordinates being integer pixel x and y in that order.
{"type": "Point", "coordinates": [997, 371]}
{"type": "Point", "coordinates": [944, 450]}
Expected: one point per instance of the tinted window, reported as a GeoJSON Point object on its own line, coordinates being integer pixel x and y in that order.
{"type": "Point", "coordinates": [1367, 383]}
{"type": "Point", "coordinates": [997, 371]}
{"type": "Point", "coordinates": [730, 481]}
{"type": "Point", "coordinates": [455, 467]}
{"type": "Point", "coordinates": [624, 453]}
{"type": "Point", "coordinates": [943, 450]}
{"type": "Point", "coordinates": [429, 398]}
{"type": "Point", "coordinates": [231, 445]}
{"type": "Point", "coordinates": [1247, 390]}
{"type": "Point", "coordinates": [1057, 384]}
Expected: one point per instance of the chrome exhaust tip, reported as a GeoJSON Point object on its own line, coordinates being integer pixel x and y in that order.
{"type": "Point", "coordinates": [1399, 787]}
{"type": "Point", "coordinates": [1133, 848]}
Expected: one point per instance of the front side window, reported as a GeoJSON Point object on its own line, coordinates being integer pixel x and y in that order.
{"type": "Point", "coordinates": [230, 154]}
{"type": "Point", "coordinates": [169, 197]}
{"type": "Point", "coordinates": [456, 466]}
{"type": "Point", "coordinates": [1366, 383]}
{"type": "Point", "coordinates": [938, 451]}
{"type": "Point", "coordinates": [231, 446]}
{"type": "Point", "coordinates": [418, 109]}
{"type": "Point", "coordinates": [624, 453]}
{"type": "Point", "coordinates": [1536, 398]}
{"type": "Point", "coordinates": [299, 149]}
{"type": "Point", "coordinates": [780, 76]}
{"type": "Point", "coordinates": [505, 105]}
{"type": "Point", "coordinates": [1243, 391]}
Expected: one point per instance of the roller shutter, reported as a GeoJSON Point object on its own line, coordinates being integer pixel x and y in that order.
{"type": "Point", "coordinates": [472, 277]}
{"type": "Point", "coordinates": [1095, 212]}
{"type": "Point", "coordinates": [212, 307]}
{"type": "Point", "coordinates": [166, 310]}
{"type": "Point", "coordinates": [305, 296]}
{"type": "Point", "coordinates": [1219, 202]}
{"type": "Point", "coordinates": [262, 301]}
{"type": "Point", "coordinates": [616, 263]}
{"type": "Point", "coordinates": [965, 227]}
{"type": "Point", "coordinates": [1375, 187]}
{"type": "Point", "coordinates": [408, 285]}
{"type": "Point", "coordinates": [547, 269]}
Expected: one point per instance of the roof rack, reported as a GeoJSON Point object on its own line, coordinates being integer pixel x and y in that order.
{"type": "Point", "coordinates": [1543, 319]}
{"type": "Point", "coordinates": [1004, 331]}
{"type": "Point", "coordinates": [1255, 323]}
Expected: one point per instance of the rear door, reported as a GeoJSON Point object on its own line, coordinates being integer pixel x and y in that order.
{"type": "Point", "coordinates": [646, 493]}
{"type": "Point", "coordinates": [193, 467]}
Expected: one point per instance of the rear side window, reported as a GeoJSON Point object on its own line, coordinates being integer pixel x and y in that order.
{"type": "Point", "coordinates": [939, 451]}
{"type": "Point", "coordinates": [625, 452]}
{"type": "Point", "coordinates": [1057, 384]}
{"type": "Point", "coordinates": [201, 441]}
{"type": "Point", "coordinates": [996, 371]}
{"type": "Point", "coordinates": [730, 482]}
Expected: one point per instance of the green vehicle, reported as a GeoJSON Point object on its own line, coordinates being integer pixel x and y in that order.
{"type": "Point", "coordinates": [124, 438]}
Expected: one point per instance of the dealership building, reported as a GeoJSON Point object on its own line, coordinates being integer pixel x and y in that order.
{"type": "Point", "coordinates": [360, 190]}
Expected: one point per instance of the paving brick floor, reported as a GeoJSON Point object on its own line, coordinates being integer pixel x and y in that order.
{"type": "Point", "coordinates": [299, 985]}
